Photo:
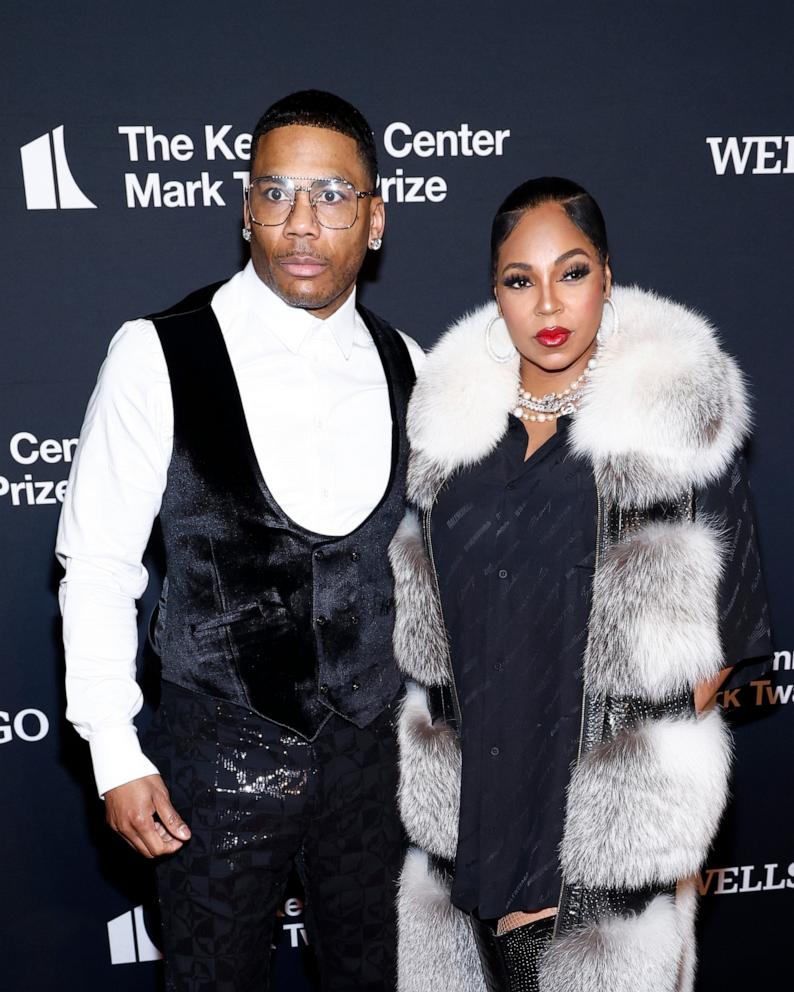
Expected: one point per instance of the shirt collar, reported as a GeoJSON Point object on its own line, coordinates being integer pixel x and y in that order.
{"type": "Point", "coordinates": [294, 326]}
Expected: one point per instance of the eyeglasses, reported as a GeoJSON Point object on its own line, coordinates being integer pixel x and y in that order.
{"type": "Point", "coordinates": [271, 199]}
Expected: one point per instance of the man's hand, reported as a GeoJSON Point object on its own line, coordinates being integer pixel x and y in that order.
{"type": "Point", "coordinates": [142, 813]}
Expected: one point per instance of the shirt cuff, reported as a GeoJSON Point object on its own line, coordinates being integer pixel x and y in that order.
{"type": "Point", "coordinates": [117, 758]}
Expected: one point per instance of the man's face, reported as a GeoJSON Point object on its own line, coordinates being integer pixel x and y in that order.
{"type": "Point", "coordinates": [305, 264]}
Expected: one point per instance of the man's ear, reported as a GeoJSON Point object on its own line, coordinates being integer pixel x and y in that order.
{"type": "Point", "coordinates": [377, 218]}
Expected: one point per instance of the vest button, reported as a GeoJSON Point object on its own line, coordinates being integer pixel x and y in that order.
{"type": "Point", "coordinates": [355, 685]}
{"type": "Point", "coordinates": [353, 618]}
{"type": "Point", "coordinates": [323, 688]}
{"type": "Point", "coordinates": [355, 555]}
{"type": "Point", "coordinates": [319, 553]}
{"type": "Point", "coordinates": [320, 620]}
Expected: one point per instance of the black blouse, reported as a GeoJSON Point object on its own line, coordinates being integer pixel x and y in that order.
{"type": "Point", "coordinates": [514, 544]}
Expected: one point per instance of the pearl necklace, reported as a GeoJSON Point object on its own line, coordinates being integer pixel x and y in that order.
{"type": "Point", "coordinates": [552, 405]}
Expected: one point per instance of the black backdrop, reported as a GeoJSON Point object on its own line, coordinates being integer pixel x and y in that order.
{"type": "Point", "coordinates": [674, 115]}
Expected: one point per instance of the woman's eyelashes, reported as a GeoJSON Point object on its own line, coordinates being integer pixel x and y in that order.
{"type": "Point", "coordinates": [577, 271]}
{"type": "Point", "coordinates": [517, 280]}
{"type": "Point", "coordinates": [520, 280]}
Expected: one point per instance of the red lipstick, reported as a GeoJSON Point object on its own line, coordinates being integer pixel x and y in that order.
{"type": "Point", "coordinates": [553, 337]}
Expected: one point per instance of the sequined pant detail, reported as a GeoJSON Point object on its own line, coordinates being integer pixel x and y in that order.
{"type": "Point", "coordinates": [523, 948]}
{"type": "Point", "coordinates": [260, 801]}
{"type": "Point", "coordinates": [511, 961]}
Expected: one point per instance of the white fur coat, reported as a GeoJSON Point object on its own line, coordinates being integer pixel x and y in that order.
{"type": "Point", "coordinates": [664, 412]}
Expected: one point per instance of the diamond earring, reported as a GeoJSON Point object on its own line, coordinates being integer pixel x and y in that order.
{"type": "Point", "coordinates": [375, 243]}
{"type": "Point", "coordinates": [246, 234]}
{"type": "Point", "coordinates": [503, 358]}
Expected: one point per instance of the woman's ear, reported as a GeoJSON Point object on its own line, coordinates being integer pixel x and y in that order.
{"type": "Point", "coordinates": [496, 297]}
{"type": "Point", "coordinates": [607, 278]}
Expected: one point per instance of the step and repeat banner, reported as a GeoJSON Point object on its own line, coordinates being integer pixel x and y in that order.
{"type": "Point", "coordinates": [125, 137]}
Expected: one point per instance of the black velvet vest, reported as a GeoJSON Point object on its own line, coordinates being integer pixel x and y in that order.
{"type": "Point", "coordinates": [260, 611]}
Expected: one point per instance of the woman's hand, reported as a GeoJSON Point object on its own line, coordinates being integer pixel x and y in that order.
{"type": "Point", "coordinates": [706, 692]}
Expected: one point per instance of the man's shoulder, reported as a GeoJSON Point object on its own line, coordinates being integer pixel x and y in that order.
{"type": "Point", "coordinates": [197, 299]}
{"type": "Point", "coordinates": [134, 352]}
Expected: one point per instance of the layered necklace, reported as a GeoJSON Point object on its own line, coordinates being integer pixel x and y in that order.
{"type": "Point", "coordinates": [552, 405]}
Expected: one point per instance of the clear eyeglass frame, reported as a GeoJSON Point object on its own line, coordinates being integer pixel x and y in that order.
{"type": "Point", "coordinates": [287, 184]}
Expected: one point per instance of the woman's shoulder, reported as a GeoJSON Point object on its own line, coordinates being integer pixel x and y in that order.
{"type": "Point", "coordinates": [667, 406]}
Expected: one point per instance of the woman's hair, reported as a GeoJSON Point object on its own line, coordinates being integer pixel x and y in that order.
{"type": "Point", "coordinates": [575, 201]}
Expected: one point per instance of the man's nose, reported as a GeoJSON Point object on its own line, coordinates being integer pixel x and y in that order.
{"type": "Point", "coordinates": [302, 221]}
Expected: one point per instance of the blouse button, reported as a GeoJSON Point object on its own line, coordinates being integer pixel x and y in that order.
{"type": "Point", "coordinates": [495, 752]}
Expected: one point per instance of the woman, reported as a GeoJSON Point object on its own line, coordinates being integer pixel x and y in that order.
{"type": "Point", "coordinates": [579, 575]}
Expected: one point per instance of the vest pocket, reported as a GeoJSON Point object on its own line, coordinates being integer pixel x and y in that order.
{"type": "Point", "coordinates": [247, 612]}
{"type": "Point", "coordinates": [272, 612]}
{"type": "Point", "coordinates": [255, 645]}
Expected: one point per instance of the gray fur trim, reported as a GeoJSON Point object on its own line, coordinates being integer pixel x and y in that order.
{"type": "Point", "coordinates": [638, 953]}
{"type": "Point", "coordinates": [420, 637]}
{"type": "Point", "coordinates": [429, 791]}
{"type": "Point", "coordinates": [425, 478]}
{"type": "Point", "coordinates": [666, 409]}
{"type": "Point", "coordinates": [686, 902]}
{"type": "Point", "coordinates": [644, 808]}
{"type": "Point", "coordinates": [436, 949]}
{"type": "Point", "coordinates": [654, 625]}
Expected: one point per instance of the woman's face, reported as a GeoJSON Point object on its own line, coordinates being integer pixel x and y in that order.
{"type": "Point", "coordinates": [550, 288]}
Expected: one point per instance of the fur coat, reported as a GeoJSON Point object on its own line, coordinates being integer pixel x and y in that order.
{"type": "Point", "coordinates": [664, 414]}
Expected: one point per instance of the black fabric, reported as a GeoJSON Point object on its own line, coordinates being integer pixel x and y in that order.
{"type": "Point", "coordinates": [260, 611]}
{"type": "Point", "coordinates": [514, 545]}
{"type": "Point", "coordinates": [491, 954]}
{"type": "Point", "coordinates": [743, 610]}
{"type": "Point", "coordinates": [260, 800]}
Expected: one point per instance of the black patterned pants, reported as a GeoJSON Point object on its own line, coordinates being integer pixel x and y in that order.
{"type": "Point", "coordinates": [259, 801]}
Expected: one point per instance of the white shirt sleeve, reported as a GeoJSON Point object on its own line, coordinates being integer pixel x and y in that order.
{"type": "Point", "coordinates": [114, 494]}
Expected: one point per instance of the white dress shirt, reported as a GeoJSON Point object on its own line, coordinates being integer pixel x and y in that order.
{"type": "Point", "coordinates": [316, 400]}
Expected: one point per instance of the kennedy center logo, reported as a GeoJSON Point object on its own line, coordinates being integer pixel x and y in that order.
{"type": "Point", "coordinates": [129, 942]}
{"type": "Point", "coordinates": [49, 183]}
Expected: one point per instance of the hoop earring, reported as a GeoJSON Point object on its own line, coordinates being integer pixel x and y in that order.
{"type": "Point", "coordinates": [501, 359]}
{"type": "Point", "coordinates": [605, 333]}
{"type": "Point", "coordinates": [246, 234]}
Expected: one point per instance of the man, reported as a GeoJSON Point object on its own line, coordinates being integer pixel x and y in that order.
{"type": "Point", "coordinates": [264, 422]}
